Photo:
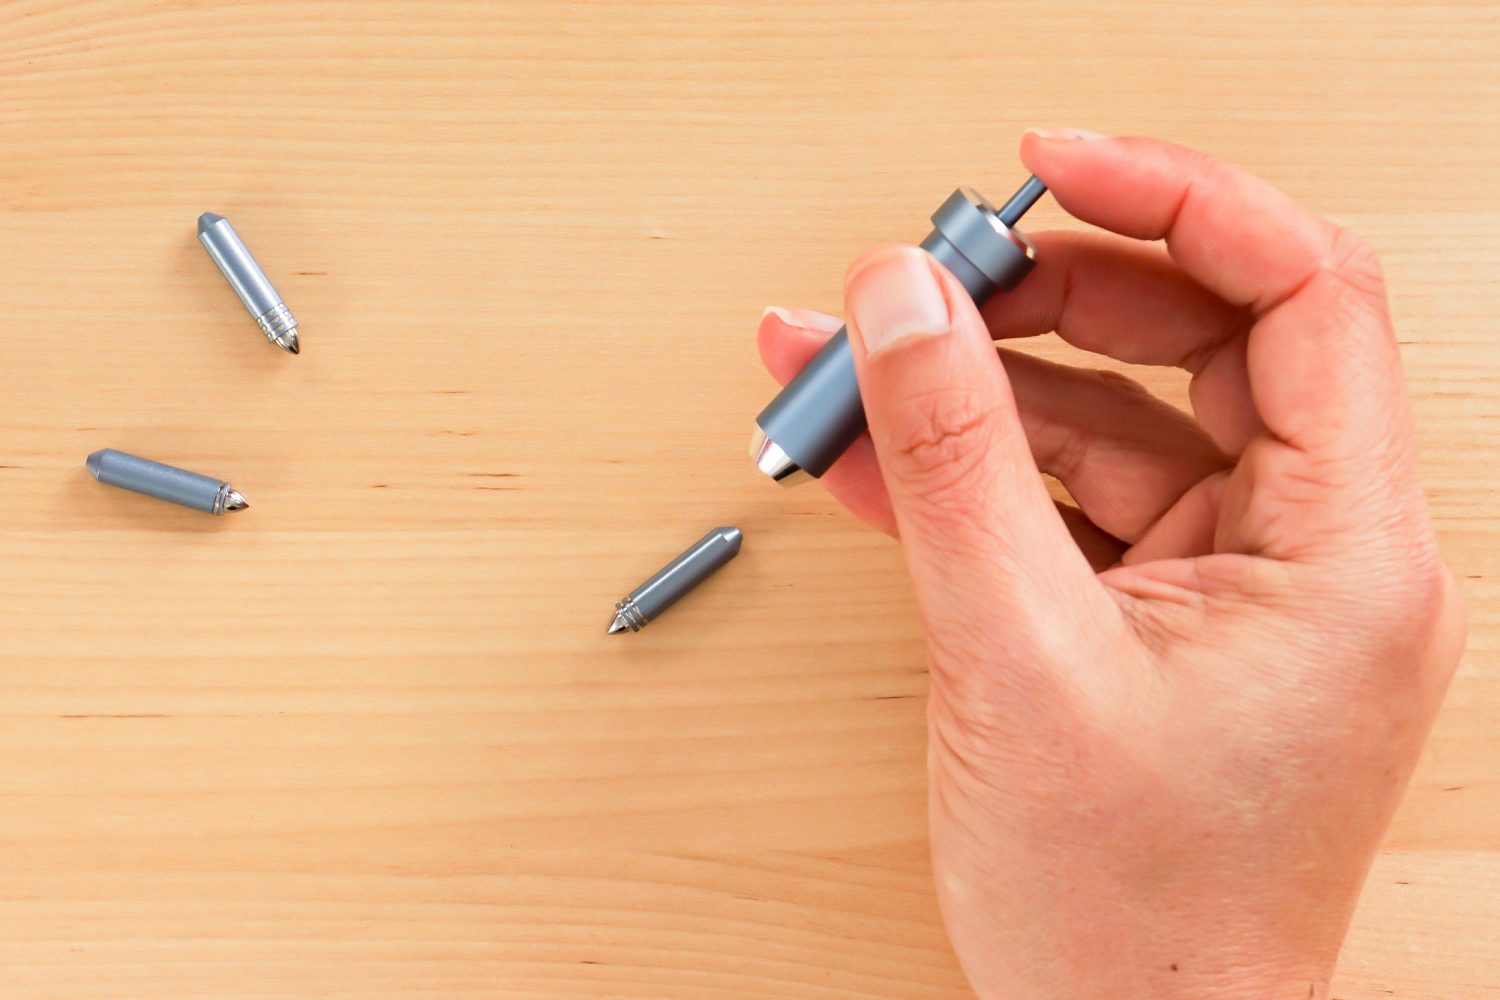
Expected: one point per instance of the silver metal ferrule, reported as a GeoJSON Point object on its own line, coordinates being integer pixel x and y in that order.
{"type": "Point", "coordinates": [773, 461]}
{"type": "Point", "coordinates": [630, 615]}
{"type": "Point", "coordinates": [278, 324]}
{"type": "Point", "coordinates": [227, 499]}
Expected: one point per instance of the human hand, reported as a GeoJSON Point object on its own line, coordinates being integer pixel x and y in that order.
{"type": "Point", "coordinates": [1166, 778]}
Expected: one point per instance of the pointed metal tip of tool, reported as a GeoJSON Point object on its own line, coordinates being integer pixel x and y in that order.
{"type": "Point", "coordinates": [94, 461]}
{"type": "Point", "coordinates": [233, 501]}
{"type": "Point", "coordinates": [207, 219]}
{"type": "Point", "coordinates": [734, 536]}
{"type": "Point", "coordinates": [770, 459]}
{"type": "Point", "coordinates": [618, 625]}
{"type": "Point", "coordinates": [290, 343]}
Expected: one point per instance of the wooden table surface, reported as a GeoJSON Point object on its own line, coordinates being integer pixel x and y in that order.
{"type": "Point", "coordinates": [368, 738]}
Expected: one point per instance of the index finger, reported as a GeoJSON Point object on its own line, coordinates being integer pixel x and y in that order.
{"type": "Point", "coordinates": [1232, 232]}
{"type": "Point", "coordinates": [1323, 366]}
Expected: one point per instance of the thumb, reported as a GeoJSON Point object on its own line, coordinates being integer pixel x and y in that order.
{"type": "Point", "coordinates": [988, 552]}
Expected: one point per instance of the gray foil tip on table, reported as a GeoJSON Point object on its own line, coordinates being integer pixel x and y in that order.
{"type": "Point", "coordinates": [674, 580]}
{"type": "Point", "coordinates": [164, 482]}
{"type": "Point", "coordinates": [244, 274]}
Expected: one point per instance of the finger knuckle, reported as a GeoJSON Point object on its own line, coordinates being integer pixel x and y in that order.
{"type": "Point", "coordinates": [1413, 609]}
{"type": "Point", "coordinates": [940, 443]}
{"type": "Point", "coordinates": [1119, 382]}
{"type": "Point", "coordinates": [1117, 400]}
{"type": "Point", "coordinates": [1428, 582]}
{"type": "Point", "coordinates": [1125, 393]}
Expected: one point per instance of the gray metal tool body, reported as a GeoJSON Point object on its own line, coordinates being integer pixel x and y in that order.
{"type": "Point", "coordinates": [165, 482]}
{"type": "Point", "coordinates": [819, 414]}
{"type": "Point", "coordinates": [249, 282]}
{"type": "Point", "coordinates": [673, 581]}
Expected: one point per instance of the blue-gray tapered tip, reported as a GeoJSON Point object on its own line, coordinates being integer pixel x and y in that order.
{"type": "Point", "coordinates": [734, 536]}
{"type": "Point", "coordinates": [94, 460]}
{"type": "Point", "coordinates": [207, 219]}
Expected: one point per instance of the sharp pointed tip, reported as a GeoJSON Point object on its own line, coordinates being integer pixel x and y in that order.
{"type": "Point", "coordinates": [292, 345]}
{"type": "Point", "coordinates": [94, 461]}
{"type": "Point", "coordinates": [234, 501]}
{"type": "Point", "coordinates": [618, 625]}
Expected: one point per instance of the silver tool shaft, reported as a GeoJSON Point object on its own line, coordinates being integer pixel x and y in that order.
{"type": "Point", "coordinates": [249, 282]}
{"type": "Point", "coordinates": [673, 581]}
{"type": "Point", "coordinates": [165, 482]}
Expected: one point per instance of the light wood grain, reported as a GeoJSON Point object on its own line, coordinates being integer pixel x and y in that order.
{"type": "Point", "coordinates": [369, 739]}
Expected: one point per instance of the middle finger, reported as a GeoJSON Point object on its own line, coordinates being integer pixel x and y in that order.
{"type": "Point", "coordinates": [1130, 301]}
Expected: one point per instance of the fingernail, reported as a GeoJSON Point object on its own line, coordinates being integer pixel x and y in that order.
{"type": "Point", "coordinates": [804, 319]}
{"type": "Point", "coordinates": [1063, 134]}
{"type": "Point", "coordinates": [897, 297]}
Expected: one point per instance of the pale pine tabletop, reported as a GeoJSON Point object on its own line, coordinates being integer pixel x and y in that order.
{"type": "Point", "coordinates": [369, 738]}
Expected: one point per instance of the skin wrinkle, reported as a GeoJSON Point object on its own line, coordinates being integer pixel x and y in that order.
{"type": "Point", "coordinates": [1197, 357]}
{"type": "Point", "coordinates": [992, 694]}
{"type": "Point", "coordinates": [940, 442]}
{"type": "Point", "coordinates": [1111, 432]}
{"type": "Point", "coordinates": [1102, 549]}
{"type": "Point", "coordinates": [1354, 261]}
{"type": "Point", "coordinates": [1060, 318]}
{"type": "Point", "coordinates": [1314, 437]}
{"type": "Point", "coordinates": [1050, 761]}
{"type": "Point", "coordinates": [1175, 213]}
{"type": "Point", "coordinates": [1276, 503]}
{"type": "Point", "coordinates": [1155, 628]}
{"type": "Point", "coordinates": [1139, 396]}
{"type": "Point", "coordinates": [1266, 301]}
{"type": "Point", "coordinates": [1209, 399]}
{"type": "Point", "coordinates": [1186, 528]}
{"type": "Point", "coordinates": [1067, 460]}
{"type": "Point", "coordinates": [1201, 318]}
{"type": "Point", "coordinates": [1066, 456]}
{"type": "Point", "coordinates": [951, 768]}
{"type": "Point", "coordinates": [1148, 585]}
